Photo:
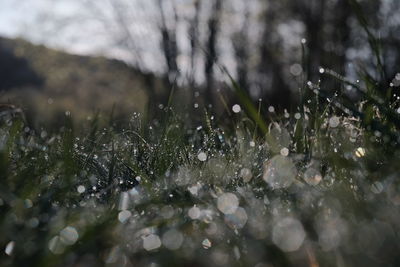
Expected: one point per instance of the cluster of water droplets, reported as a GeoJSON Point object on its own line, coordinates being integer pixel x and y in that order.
{"type": "Point", "coordinates": [228, 203]}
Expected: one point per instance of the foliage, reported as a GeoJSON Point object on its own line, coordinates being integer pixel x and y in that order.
{"type": "Point", "coordinates": [319, 187]}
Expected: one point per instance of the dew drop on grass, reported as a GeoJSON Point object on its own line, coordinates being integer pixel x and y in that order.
{"type": "Point", "coordinates": [194, 213]}
{"type": "Point", "coordinates": [206, 243]}
{"type": "Point", "coordinates": [360, 152]}
{"type": "Point", "coordinates": [279, 172]}
{"type": "Point", "coordinates": [81, 189]}
{"type": "Point", "coordinates": [124, 215]}
{"type": "Point", "coordinates": [334, 122]}
{"type": "Point", "coordinates": [288, 234]}
{"type": "Point", "coordinates": [236, 108]}
{"type": "Point", "coordinates": [297, 116]}
{"type": "Point", "coordinates": [284, 152]}
{"type": "Point", "coordinates": [56, 246]}
{"type": "Point", "coordinates": [238, 219]}
{"type": "Point", "coordinates": [321, 70]}
{"type": "Point", "coordinates": [377, 187]}
{"type": "Point", "coordinates": [202, 156]}
{"type": "Point", "coordinates": [194, 190]}
{"type": "Point", "coordinates": [312, 176]}
{"type": "Point", "coordinates": [271, 109]}
{"type": "Point", "coordinates": [151, 242]}
{"type": "Point", "coordinates": [246, 174]}
{"type": "Point", "coordinates": [28, 203]}
{"type": "Point", "coordinates": [9, 248]}
{"type": "Point", "coordinates": [227, 203]}
{"type": "Point", "coordinates": [69, 235]}
{"type": "Point", "coordinates": [296, 69]}
{"type": "Point", "coordinates": [172, 239]}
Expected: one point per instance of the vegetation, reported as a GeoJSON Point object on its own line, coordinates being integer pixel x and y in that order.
{"type": "Point", "coordinates": [316, 185]}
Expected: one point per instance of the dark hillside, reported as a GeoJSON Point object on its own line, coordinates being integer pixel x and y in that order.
{"type": "Point", "coordinates": [46, 82]}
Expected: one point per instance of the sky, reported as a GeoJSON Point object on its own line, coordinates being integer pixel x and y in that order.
{"type": "Point", "coordinates": [29, 19]}
{"type": "Point", "coordinates": [49, 22]}
{"type": "Point", "coordinates": [10, 17]}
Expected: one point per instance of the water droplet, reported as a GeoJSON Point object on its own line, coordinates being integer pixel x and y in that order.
{"type": "Point", "coordinates": [236, 108]}
{"type": "Point", "coordinates": [56, 246]}
{"type": "Point", "coordinates": [238, 219]}
{"type": "Point", "coordinates": [227, 203]}
{"type": "Point", "coordinates": [69, 235]}
{"type": "Point", "coordinates": [43, 134]}
{"type": "Point", "coordinates": [206, 243]}
{"type": "Point", "coordinates": [194, 190]}
{"type": "Point", "coordinates": [124, 215]}
{"type": "Point", "coordinates": [194, 213]}
{"type": "Point", "coordinates": [271, 109]}
{"type": "Point", "coordinates": [279, 172]}
{"type": "Point", "coordinates": [321, 70]}
{"type": "Point", "coordinates": [288, 234]}
{"type": "Point", "coordinates": [172, 239]}
{"type": "Point", "coordinates": [334, 122]}
{"type": "Point", "coordinates": [9, 248]}
{"type": "Point", "coordinates": [151, 242]}
{"type": "Point", "coordinates": [81, 189]}
{"type": "Point", "coordinates": [377, 187]}
{"type": "Point", "coordinates": [297, 116]}
{"type": "Point", "coordinates": [296, 69]}
{"type": "Point", "coordinates": [202, 156]}
{"type": "Point", "coordinates": [360, 152]}
{"type": "Point", "coordinates": [28, 203]}
{"type": "Point", "coordinates": [312, 176]}
{"type": "Point", "coordinates": [284, 152]}
{"type": "Point", "coordinates": [246, 175]}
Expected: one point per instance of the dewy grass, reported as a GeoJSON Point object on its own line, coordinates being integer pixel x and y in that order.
{"type": "Point", "coordinates": [315, 187]}
{"type": "Point", "coordinates": [319, 187]}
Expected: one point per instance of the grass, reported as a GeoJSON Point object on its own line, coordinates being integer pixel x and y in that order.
{"type": "Point", "coordinates": [318, 187]}
{"type": "Point", "coordinates": [314, 187]}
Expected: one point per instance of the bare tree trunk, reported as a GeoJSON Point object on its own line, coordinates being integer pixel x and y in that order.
{"type": "Point", "coordinates": [341, 35]}
{"type": "Point", "coordinates": [241, 45]}
{"type": "Point", "coordinates": [313, 18]}
{"type": "Point", "coordinates": [211, 55]}
{"type": "Point", "coordinates": [193, 36]}
{"type": "Point", "coordinates": [270, 67]}
{"type": "Point", "coordinates": [169, 45]}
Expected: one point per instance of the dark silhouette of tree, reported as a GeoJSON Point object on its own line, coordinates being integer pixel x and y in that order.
{"type": "Point", "coordinates": [270, 68]}
{"type": "Point", "coordinates": [193, 37]}
{"type": "Point", "coordinates": [16, 72]}
{"type": "Point", "coordinates": [211, 52]}
{"type": "Point", "coordinates": [168, 43]}
{"type": "Point", "coordinates": [241, 45]}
